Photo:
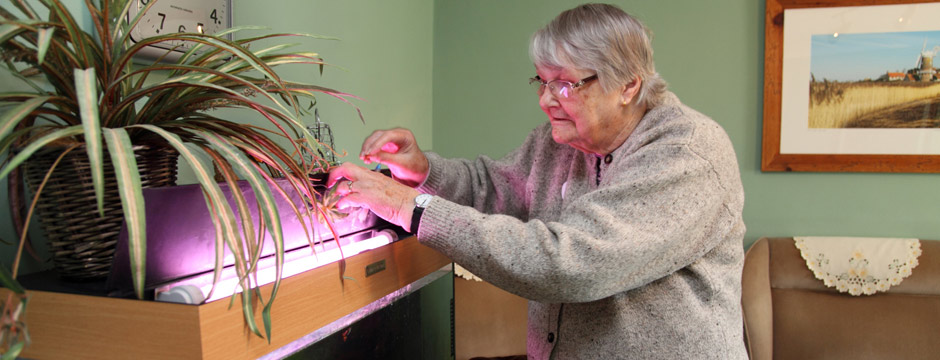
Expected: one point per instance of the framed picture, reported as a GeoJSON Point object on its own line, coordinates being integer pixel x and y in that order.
{"type": "Point", "coordinates": [851, 86]}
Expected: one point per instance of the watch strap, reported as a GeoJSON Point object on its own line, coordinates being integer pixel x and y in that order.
{"type": "Point", "coordinates": [416, 219]}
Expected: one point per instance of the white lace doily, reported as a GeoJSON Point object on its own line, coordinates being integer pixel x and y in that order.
{"type": "Point", "coordinates": [859, 265]}
{"type": "Point", "coordinates": [460, 271]}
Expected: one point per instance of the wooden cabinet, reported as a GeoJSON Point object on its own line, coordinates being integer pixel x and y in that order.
{"type": "Point", "coordinates": [88, 327]}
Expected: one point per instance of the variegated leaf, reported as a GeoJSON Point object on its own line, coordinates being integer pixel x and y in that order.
{"type": "Point", "coordinates": [7, 30]}
{"type": "Point", "coordinates": [11, 117]}
{"type": "Point", "coordinates": [36, 145]}
{"type": "Point", "coordinates": [132, 202]}
{"type": "Point", "coordinates": [224, 213]}
{"type": "Point", "coordinates": [7, 280]}
{"type": "Point", "coordinates": [86, 90]}
{"type": "Point", "coordinates": [266, 203]}
{"type": "Point", "coordinates": [45, 39]}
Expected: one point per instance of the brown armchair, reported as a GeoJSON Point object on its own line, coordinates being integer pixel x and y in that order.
{"type": "Point", "coordinates": [789, 314]}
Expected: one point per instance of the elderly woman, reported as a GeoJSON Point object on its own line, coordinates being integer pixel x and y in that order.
{"type": "Point", "coordinates": [619, 218]}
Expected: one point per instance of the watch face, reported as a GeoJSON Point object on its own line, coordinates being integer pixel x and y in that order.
{"type": "Point", "coordinates": [175, 16]}
{"type": "Point", "coordinates": [422, 200]}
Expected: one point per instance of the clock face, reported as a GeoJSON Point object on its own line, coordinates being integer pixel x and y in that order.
{"type": "Point", "coordinates": [175, 16]}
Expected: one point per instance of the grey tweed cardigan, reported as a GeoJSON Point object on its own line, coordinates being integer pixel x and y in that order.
{"type": "Point", "coordinates": [634, 255]}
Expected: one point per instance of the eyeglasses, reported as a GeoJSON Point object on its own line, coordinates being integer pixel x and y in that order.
{"type": "Point", "coordinates": [560, 88]}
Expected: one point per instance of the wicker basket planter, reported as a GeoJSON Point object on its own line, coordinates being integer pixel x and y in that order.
{"type": "Point", "coordinates": [82, 243]}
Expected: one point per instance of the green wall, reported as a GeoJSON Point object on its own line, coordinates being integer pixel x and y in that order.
{"type": "Point", "coordinates": [711, 53]}
{"type": "Point", "coordinates": [383, 56]}
{"type": "Point", "coordinates": [473, 55]}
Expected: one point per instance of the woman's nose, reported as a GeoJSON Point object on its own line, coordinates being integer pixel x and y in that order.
{"type": "Point", "coordinates": [546, 99]}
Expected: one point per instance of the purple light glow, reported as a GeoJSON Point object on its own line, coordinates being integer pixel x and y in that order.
{"type": "Point", "coordinates": [296, 262]}
{"type": "Point", "coordinates": [181, 239]}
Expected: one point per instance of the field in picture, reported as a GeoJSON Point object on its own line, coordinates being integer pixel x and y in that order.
{"type": "Point", "coordinates": [874, 104]}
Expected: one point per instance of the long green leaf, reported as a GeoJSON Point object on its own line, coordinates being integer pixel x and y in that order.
{"type": "Point", "coordinates": [21, 133]}
{"type": "Point", "coordinates": [26, 8]}
{"type": "Point", "coordinates": [36, 145]}
{"type": "Point", "coordinates": [266, 203]}
{"type": "Point", "coordinates": [283, 113]}
{"type": "Point", "coordinates": [241, 55]}
{"type": "Point", "coordinates": [262, 149]}
{"type": "Point", "coordinates": [224, 212]}
{"type": "Point", "coordinates": [84, 45]}
{"type": "Point", "coordinates": [235, 29]}
{"type": "Point", "coordinates": [10, 118]}
{"type": "Point", "coordinates": [122, 31]}
{"type": "Point", "coordinates": [247, 222]}
{"type": "Point", "coordinates": [219, 248]}
{"type": "Point", "coordinates": [86, 88]}
{"type": "Point", "coordinates": [7, 280]}
{"type": "Point", "coordinates": [7, 31]}
{"type": "Point", "coordinates": [132, 202]}
{"type": "Point", "coordinates": [238, 53]}
{"type": "Point", "coordinates": [45, 37]}
{"type": "Point", "coordinates": [117, 10]}
{"type": "Point", "coordinates": [11, 69]}
{"type": "Point", "coordinates": [245, 262]}
{"type": "Point", "coordinates": [14, 351]}
{"type": "Point", "coordinates": [242, 251]}
{"type": "Point", "coordinates": [62, 52]}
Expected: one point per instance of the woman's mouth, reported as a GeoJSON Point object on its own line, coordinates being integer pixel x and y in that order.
{"type": "Point", "coordinates": [558, 118]}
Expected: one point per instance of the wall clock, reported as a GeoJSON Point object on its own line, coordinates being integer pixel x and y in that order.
{"type": "Point", "coordinates": [174, 16]}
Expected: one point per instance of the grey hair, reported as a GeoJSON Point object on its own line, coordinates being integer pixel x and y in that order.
{"type": "Point", "coordinates": [604, 39]}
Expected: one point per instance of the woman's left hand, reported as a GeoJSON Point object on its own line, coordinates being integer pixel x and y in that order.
{"type": "Point", "coordinates": [360, 187]}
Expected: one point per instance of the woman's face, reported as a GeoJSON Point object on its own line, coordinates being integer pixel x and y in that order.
{"type": "Point", "coordinates": [590, 119]}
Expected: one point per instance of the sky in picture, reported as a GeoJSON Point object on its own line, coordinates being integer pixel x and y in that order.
{"type": "Point", "coordinates": [852, 57]}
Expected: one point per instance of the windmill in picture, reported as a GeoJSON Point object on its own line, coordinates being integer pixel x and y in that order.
{"type": "Point", "coordinates": [924, 70]}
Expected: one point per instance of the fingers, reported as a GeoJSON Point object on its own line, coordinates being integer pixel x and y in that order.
{"type": "Point", "coordinates": [351, 178]}
{"type": "Point", "coordinates": [348, 181]}
{"type": "Point", "coordinates": [398, 149]}
{"type": "Point", "coordinates": [359, 187]}
{"type": "Point", "coordinates": [346, 171]}
{"type": "Point", "coordinates": [348, 198]}
{"type": "Point", "coordinates": [384, 197]}
{"type": "Point", "coordinates": [381, 143]}
{"type": "Point", "coordinates": [370, 145]}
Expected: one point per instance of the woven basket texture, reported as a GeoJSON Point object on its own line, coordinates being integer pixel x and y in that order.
{"type": "Point", "coordinates": [81, 241]}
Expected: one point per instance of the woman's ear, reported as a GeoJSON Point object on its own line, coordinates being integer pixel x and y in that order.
{"type": "Point", "coordinates": [630, 91]}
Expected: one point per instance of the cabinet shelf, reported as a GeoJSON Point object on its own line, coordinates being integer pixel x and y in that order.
{"type": "Point", "coordinates": [81, 326]}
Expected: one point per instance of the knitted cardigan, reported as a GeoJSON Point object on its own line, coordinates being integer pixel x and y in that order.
{"type": "Point", "coordinates": [637, 254]}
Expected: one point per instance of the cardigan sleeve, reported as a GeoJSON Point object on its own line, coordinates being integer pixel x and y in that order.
{"type": "Point", "coordinates": [487, 185]}
{"type": "Point", "coordinates": [663, 208]}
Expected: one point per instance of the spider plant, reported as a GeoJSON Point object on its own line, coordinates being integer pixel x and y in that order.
{"type": "Point", "coordinates": [87, 92]}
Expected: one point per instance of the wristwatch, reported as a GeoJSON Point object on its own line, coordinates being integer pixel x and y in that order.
{"type": "Point", "coordinates": [421, 202]}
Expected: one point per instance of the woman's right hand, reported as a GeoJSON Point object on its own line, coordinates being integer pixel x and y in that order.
{"type": "Point", "coordinates": [397, 149]}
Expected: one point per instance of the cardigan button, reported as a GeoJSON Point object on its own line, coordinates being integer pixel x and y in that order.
{"type": "Point", "coordinates": [551, 337]}
{"type": "Point", "coordinates": [608, 158]}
